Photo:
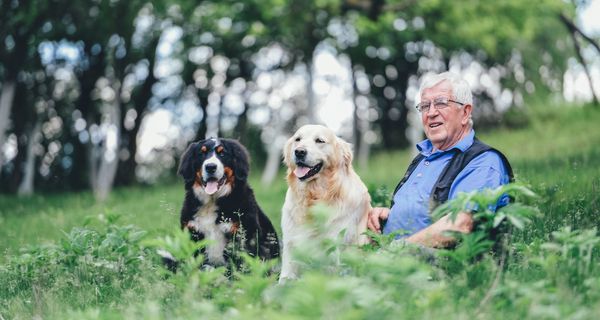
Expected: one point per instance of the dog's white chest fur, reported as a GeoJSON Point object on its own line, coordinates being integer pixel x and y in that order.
{"type": "Point", "coordinates": [205, 221]}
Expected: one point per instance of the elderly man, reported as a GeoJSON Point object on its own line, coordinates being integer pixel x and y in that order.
{"type": "Point", "coordinates": [451, 160]}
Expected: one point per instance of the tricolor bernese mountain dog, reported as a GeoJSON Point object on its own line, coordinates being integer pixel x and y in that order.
{"type": "Point", "coordinates": [219, 204]}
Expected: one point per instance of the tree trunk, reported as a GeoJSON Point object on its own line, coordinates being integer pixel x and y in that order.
{"type": "Point", "coordinates": [94, 153]}
{"type": "Point", "coordinates": [26, 186]}
{"type": "Point", "coordinates": [202, 127]}
{"type": "Point", "coordinates": [109, 156]}
{"type": "Point", "coordinates": [414, 131]}
{"type": "Point", "coordinates": [240, 131]}
{"type": "Point", "coordinates": [272, 165]}
{"type": "Point", "coordinates": [126, 171]}
{"type": "Point", "coordinates": [6, 102]}
{"type": "Point", "coordinates": [310, 95]}
{"type": "Point", "coordinates": [274, 150]}
{"type": "Point", "coordinates": [362, 148]}
{"type": "Point", "coordinates": [201, 131]}
{"type": "Point", "coordinates": [82, 174]}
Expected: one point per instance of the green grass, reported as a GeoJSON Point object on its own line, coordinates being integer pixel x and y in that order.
{"type": "Point", "coordinates": [105, 269]}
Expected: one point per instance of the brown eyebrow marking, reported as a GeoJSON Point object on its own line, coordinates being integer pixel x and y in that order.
{"type": "Point", "coordinates": [203, 149]}
{"type": "Point", "coordinates": [219, 149]}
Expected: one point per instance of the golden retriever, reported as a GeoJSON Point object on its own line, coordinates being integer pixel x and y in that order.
{"type": "Point", "coordinates": [320, 171]}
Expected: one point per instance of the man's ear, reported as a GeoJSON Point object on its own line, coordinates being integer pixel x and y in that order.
{"type": "Point", "coordinates": [467, 109]}
{"type": "Point", "coordinates": [241, 159]}
{"type": "Point", "coordinates": [346, 151]}
{"type": "Point", "coordinates": [186, 164]}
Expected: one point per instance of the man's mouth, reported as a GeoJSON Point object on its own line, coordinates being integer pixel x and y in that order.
{"type": "Point", "coordinates": [304, 171]}
{"type": "Point", "coordinates": [212, 185]}
{"type": "Point", "coordinates": [435, 124]}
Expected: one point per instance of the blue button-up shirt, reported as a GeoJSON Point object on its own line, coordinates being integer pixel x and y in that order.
{"type": "Point", "coordinates": [410, 212]}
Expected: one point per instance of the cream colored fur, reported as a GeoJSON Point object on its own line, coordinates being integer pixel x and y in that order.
{"type": "Point", "coordinates": [336, 186]}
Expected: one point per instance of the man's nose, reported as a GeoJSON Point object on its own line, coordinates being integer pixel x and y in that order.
{"type": "Point", "coordinates": [432, 111]}
{"type": "Point", "coordinates": [300, 153]}
{"type": "Point", "coordinates": [210, 167]}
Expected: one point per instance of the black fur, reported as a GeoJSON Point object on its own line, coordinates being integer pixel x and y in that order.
{"type": "Point", "coordinates": [238, 207]}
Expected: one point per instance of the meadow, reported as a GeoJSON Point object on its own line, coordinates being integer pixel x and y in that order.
{"type": "Point", "coordinates": [65, 256]}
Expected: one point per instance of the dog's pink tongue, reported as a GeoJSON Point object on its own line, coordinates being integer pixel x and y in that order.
{"type": "Point", "coordinates": [301, 171]}
{"type": "Point", "coordinates": [211, 187]}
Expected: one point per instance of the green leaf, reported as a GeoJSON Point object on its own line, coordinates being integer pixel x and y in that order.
{"type": "Point", "coordinates": [498, 219]}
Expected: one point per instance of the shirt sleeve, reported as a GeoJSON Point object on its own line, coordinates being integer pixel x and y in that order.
{"type": "Point", "coordinates": [486, 171]}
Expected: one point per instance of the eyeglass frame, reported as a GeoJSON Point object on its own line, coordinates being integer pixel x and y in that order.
{"type": "Point", "coordinates": [436, 108]}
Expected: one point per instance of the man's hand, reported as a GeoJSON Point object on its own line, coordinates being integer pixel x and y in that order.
{"type": "Point", "coordinates": [376, 215]}
{"type": "Point", "coordinates": [434, 235]}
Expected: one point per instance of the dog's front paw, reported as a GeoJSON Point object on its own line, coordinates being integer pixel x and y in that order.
{"type": "Point", "coordinates": [191, 226]}
{"type": "Point", "coordinates": [229, 227]}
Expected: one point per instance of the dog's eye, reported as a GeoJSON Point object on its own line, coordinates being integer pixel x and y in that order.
{"type": "Point", "coordinates": [319, 140]}
{"type": "Point", "coordinates": [203, 149]}
{"type": "Point", "coordinates": [219, 149]}
{"type": "Point", "coordinates": [297, 139]}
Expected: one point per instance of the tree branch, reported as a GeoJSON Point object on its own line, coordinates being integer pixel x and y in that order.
{"type": "Point", "coordinates": [573, 30]}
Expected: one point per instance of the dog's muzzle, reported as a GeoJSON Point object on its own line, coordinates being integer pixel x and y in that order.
{"type": "Point", "coordinates": [303, 171]}
{"type": "Point", "coordinates": [212, 177]}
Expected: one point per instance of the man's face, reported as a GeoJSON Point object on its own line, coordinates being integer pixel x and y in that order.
{"type": "Point", "coordinates": [444, 127]}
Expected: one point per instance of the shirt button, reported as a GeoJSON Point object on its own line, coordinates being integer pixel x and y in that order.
{"type": "Point", "coordinates": [426, 163]}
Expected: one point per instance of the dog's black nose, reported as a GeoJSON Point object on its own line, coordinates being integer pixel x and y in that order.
{"type": "Point", "coordinates": [300, 153]}
{"type": "Point", "coordinates": [210, 167]}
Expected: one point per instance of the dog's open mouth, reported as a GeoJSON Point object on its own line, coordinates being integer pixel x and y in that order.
{"type": "Point", "coordinates": [212, 185]}
{"type": "Point", "coordinates": [304, 172]}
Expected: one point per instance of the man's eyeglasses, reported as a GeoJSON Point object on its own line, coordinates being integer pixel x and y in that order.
{"type": "Point", "coordinates": [438, 103]}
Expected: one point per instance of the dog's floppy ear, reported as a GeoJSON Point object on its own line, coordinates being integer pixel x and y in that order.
{"type": "Point", "coordinates": [287, 152]}
{"type": "Point", "coordinates": [186, 164]}
{"type": "Point", "coordinates": [241, 159]}
{"type": "Point", "coordinates": [346, 151]}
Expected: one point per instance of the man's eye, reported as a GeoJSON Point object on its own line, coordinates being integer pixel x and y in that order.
{"type": "Point", "coordinates": [440, 104]}
{"type": "Point", "coordinates": [319, 140]}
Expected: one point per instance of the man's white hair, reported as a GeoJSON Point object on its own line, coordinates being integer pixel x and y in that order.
{"type": "Point", "coordinates": [460, 87]}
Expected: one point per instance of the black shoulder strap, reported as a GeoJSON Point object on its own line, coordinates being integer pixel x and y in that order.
{"type": "Point", "coordinates": [441, 189]}
{"type": "Point", "coordinates": [413, 165]}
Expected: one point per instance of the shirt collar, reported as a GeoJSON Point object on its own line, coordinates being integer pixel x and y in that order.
{"type": "Point", "coordinates": [425, 147]}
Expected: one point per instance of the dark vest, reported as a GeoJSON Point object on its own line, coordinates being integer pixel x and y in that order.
{"type": "Point", "coordinates": [441, 189]}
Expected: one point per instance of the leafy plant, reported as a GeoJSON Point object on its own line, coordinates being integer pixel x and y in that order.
{"type": "Point", "coordinates": [492, 225]}
{"type": "Point", "coordinates": [571, 253]}
{"type": "Point", "coordinates": [380, 196]}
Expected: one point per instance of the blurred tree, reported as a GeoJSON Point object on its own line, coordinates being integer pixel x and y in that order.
{"type": "Point", "coordinates": [300, 25]}
{"type": "Point", "coordinates": [382, 52]}
{"type": "Point", "coordinates": [497, 33]}
{"type": "Point", "coordinates": [220, 38]}
{"type": "Point", "coordinates": [397, 40]}
{"type": "Point", "coordinates": [113, 96]}
{"type": "Point", "coordinates": [21, 24]}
